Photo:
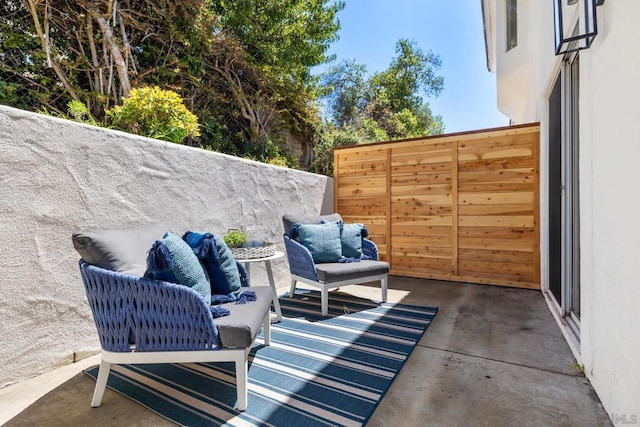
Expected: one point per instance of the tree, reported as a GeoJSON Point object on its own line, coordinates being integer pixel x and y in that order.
{"type": "Point", "coordinates": [243, 66]}
{"type": "Point", "coordinates": [389, 104]}
{"type": "Point", "coordinates": [80, 49]}
{"type": "Point", "coordinates": [330, 137]}
{"type": "Point", "coordinates": [345, 85]}
{"type": "Point", "coordinates": [281, 40]}
{"type": "Point", "coordinates": [410, 74]}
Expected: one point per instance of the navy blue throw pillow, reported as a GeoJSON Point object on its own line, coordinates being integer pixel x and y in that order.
{"type": "Point", "coordinates": [218, 261]}
{"type": "Point", "coordinates": [172, 260]}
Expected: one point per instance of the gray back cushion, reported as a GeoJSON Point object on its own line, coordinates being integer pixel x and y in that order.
{"type": "Point", "coordinates": [122, 250]}
{"type": "Point", "coordinates": [289, 220]}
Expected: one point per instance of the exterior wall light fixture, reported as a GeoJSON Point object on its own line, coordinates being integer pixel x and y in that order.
{"type": "Point", "coordinates": [583, 33]}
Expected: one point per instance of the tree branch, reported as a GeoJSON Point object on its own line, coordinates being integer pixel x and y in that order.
{"type": "Point", "coordinates": [96, 68]}
{"type": "Point", "coordinates": [116, 54]}
{"type": "Point", "coordinates": [46, 45]}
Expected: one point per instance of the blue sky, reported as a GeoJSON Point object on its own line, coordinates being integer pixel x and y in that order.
{"type": "Point", "coordinates": [449, 28]}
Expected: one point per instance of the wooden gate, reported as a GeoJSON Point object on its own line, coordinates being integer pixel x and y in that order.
{"type": "Point", "coordinates": [461, 207]}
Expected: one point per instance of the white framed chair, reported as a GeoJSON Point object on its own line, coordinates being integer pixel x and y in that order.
{"type": "Point", "coordinates": [328, 276]}
{"type": "Point", "coordinates": [142, 320]}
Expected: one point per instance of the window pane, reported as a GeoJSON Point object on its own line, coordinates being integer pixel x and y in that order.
{"type": "Point", "coordinates": [512, 24]}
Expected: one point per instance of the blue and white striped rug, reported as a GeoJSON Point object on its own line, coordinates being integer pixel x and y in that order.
{"type": "Point", "coordinates": [318, 370]}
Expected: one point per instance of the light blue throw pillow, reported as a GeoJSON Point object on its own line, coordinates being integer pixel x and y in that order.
{"type": "Point", "coordinates": [322, 240]}
{"type": "Point", "coordinates": [173, 260]}
{"type": "Point", "coordinates": [351, 239]}
{"type": "Point", "coordinates": [218, 260]}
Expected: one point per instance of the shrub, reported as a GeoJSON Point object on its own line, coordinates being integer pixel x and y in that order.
{"type": "Point", "coordinates": [278, 161]}
{"type": "Point", "coordinates": [79, 112]}
{"type": "Point", "coordinates": [156, 113]}
{"type": "Point", "coordinates": [329, 138]}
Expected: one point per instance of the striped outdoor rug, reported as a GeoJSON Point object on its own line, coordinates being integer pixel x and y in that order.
{"type": "Point", "coordinates": [318, 370]}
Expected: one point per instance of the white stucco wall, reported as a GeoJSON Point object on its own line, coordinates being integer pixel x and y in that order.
{"type": "Point", "coordinates": [610, 209]}
{"type": "Point", "coordinates": [516, 73]}
{"type": "Point", "coordinates": [609, 175]}
{"type": "Point", "coordinates": [522, 72]}
{"type": "Point", "coordinates": [57, 176]}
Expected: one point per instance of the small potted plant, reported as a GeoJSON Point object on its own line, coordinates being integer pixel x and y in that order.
{"type": "Point", "coordinates": [242, 248]}
{"type": "Point", "coordinates": [235, 238]}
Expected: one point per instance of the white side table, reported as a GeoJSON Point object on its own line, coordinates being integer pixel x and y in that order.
{"type": "Point", "coordinates": [272, 283]}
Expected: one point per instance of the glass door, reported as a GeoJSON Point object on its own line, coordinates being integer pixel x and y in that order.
{"type": "Point", "coordinates": [571, 193]}
{"type": "Point", "coordinates": [564, 194]}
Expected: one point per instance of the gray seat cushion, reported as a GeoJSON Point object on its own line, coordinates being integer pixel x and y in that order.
{"type": "Point", "coordinates": [289, 220]}
{"type": "Point", "coordinates": [244, 321]}
{"type": "Point", "coordinates": [335, 271]}
{"type": "Point", "coordinates": [122, 250]}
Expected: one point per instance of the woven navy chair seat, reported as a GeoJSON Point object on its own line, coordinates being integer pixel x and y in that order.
{"type": "Point", "coordinates": [141, 320]}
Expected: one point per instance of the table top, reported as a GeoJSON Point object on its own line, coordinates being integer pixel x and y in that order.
{"type": "Point", "coordinates": [277, 255]}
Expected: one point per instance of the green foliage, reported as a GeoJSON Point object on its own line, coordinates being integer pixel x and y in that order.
{"type": "Point", "coordinates": [388, 104]}
{"type": "Point", "coordinates": [269, 48]}
{"type": "Point", "coordinates": [242, 66]}
{"type": "Point", "coordinates": [283, 159]}
{"type": "Point", "coordinates": [345, 88]}
{"type": "Point", "coordinates": [411, 73]}
{"type": "Point", "coordinates": [76, 111]}
{"type": "Point", "coordinates": [7, 93]}
{"type": "Point", "coordinates": [329, 136]}
{"type": "Point", "coordinates": [79, 112]}
{"type": "Point", "coordinates": [284, 37]}
{"type": "Point", "coordinates": [235, 238]}
{"type": "Point", "coordinates": [245, 66]}
{"type": "Point", "coordinates": [577, 367]}
{"type": "Point", "coordinates": [270, 152]}
{"type": "Point", "coordinates": [156, 113]}
{"type": "Point", "coordinates": [371, 131]}
{"type": "Point", "coordinates": [279, 161]}
{"type": "Point", "coordinates": [214, 136]}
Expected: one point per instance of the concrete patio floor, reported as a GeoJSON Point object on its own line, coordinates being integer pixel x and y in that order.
{"type": "Point", "coordinates": [492, 357]}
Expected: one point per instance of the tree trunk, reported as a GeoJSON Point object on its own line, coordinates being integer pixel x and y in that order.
{"type": "Point", "coordinates": [116, 54]}
{"type": "Point", "coordinates": [248, 108]}
{"type": "Point", "coordinates": [96, 69]}
{"type": "Point", "coordinates": [46, 45]}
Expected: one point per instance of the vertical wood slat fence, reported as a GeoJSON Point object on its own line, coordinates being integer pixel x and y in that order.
{"type": "Point", "coordinates": [461, 207]}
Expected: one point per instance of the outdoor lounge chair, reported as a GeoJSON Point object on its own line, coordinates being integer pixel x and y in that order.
{"type": "Point", "coordinates": [331, 275]}
{"type": "Point", "coordinates": [142, 320]}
